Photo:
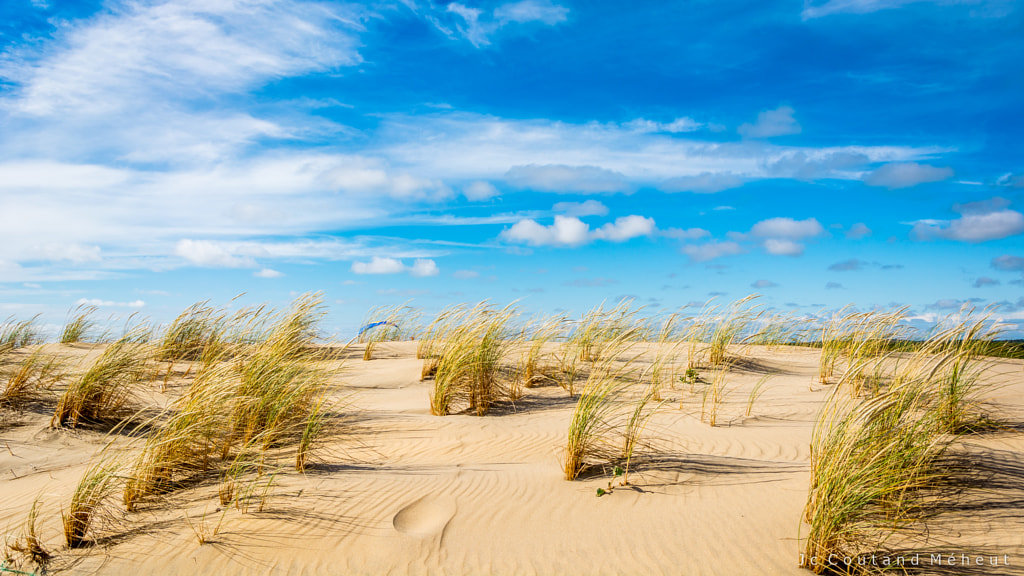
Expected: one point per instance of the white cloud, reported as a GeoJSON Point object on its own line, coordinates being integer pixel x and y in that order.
{"type": "Point", "coordinates": [778, 122]}
{"type": "Point", "coordinates": [479, 191]}
{"type": "Point", "coordinates": [684, 124]}
{"type": "Point", "coordinates": [144, 53]}
{"type": "Point", "coordinates": [471, 28]}
{"type": "Point", "coordinates": [685, 234]}
{"type": "Point", "coordinates": [466, 274]}
{"type": "Point", "coordinates": [585, 208]}
{"type": "Point", "coordinates": [816, 9]}
{"type": "Point", "coordinates": [41, 175]}
{"type": "Point", "coordinates": [604, 157]}
{"type": "Point", "coordinates": [157, 80]}
{"type": "Point", "coordinates": [477, 26]}
{"type": "Point", "coordinates": [704, 183]}
{"type": "Point", "coordinates": [543, 11]}
{"type": "Point", "coordinates": [211, 254]}
{"type": "Point", "coordinates": [566, 231]}
{"type": "Point", "coordinates": [711, 250]}
{"type": "Point", "coordinates": [906, 174]}
{"type": "Point", "coordinates": [783, 247]}
{"type": "Point", "coordinates": [625, 228]}
{"type": "Point", "coordinates": [57, 252]}
{"type": "Point", "coordinates": [858, 231]}
{"type": "Point", "coordinates": [268, 273]}
{"type": "Point", "coordinates": [1009, 263]}
{"type": "Point", "coordinates": [787, 228]}
{"type": "Point", "coordinates": [154, 152]}
{"type": "Point", "coordinates": [780, 235]}
{"type": "Point", "coordinates": [570, 231]}
{"type": "Point", "coordinates": [371, 175]}
{"type": "Point", "coordinates": [972, 227]}
{"type": "Point", "coordinates": [108, 303]}
{"type": "Point", "coordinates": [811, 165]}
{"type": "Point", "coordinates": [567, 179]}
{"type": "Point", "coordinates": [379, 265]}
{"type": "Point", "coordinates": [422, 268]}
{"type": "Point", "coordinates": [763, 284]}
{"type": "Point", "coordinates": [1011, 180]}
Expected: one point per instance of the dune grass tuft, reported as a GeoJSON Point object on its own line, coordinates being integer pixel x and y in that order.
{"type": "Point", "coordinates": [105, 389]}
{"type": "Point", "coordinates": [79, 325]}
{"type": "Point", "coordinates": [18, 334]}
{"type": "Point", "coordinates": [29, 544]}
{"type": "Point", "coordinates": [268, 395]}
{"type": "Point", "coordinates": [191, 333]}
{"type": "Point", "coordinates": [97, 484]}
{"type": "Point", "coordinates": [590, 424]}
{"type": "Point", "coordinates": [605, 428]}
{"type": "Point", "coordinates": [633, 429]}
{"type": "Point", "coordinates": [877, 456]}
{"type": "Point", "coordinates": [469, 368]}
{"type": "Point", "coordinates": [29, 380]}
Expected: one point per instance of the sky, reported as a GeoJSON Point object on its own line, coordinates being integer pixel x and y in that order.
{"type": "Point", "coordinates": [158, 153]}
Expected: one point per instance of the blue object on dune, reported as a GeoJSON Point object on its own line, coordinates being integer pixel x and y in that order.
{"type": "Point", "coordinates": [373, 325]}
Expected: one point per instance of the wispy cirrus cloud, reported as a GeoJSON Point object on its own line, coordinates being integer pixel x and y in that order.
{"type": "Point", "coordinates": [479, 26]}
{"type": "Point", "coordinates": [552, 156]}
{"type": "Point", "coordinates": [818, 9]}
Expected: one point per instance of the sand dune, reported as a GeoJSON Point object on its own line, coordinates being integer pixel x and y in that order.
{"type": "Point", "coordinates": [400, 491]}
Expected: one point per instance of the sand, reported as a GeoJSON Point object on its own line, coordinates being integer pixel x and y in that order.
{"type": "Point", "coordinates": [403, 492]}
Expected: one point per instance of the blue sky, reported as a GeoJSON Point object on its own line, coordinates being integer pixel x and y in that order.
{"type": "Point", "coordinates": [867, 152]}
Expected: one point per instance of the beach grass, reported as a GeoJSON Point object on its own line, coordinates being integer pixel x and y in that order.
{"type": "Point", "coordinates": [79, 325]}
{"type": "Point", "coordinates": [104, 391]}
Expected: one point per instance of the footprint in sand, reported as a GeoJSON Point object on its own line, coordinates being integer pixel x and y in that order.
{"type": "Point", "coordinates": [425, 517]}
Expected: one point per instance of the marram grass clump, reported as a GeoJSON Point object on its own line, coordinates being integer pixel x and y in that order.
{"type": "Point", "coordinates": [270, 395]}
{"type": "Point", "coordinates": [79, 325]}
{"type": "Point", "coordinates": [470, 372]}
{"type": "Point", "coordinates": [878, 459]}
{"type": "Point", "coordinates": [104, 391]}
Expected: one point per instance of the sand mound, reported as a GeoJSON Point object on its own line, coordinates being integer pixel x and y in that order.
{"type": "Point", "coordinates": [404, 492]}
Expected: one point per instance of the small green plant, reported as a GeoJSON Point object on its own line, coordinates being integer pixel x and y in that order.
{"type": "Point", "coordinates": [691, 376]}
{"type": "Point", "coordinates": [616, 472]}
